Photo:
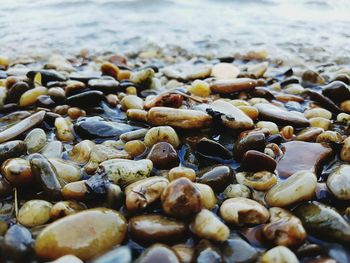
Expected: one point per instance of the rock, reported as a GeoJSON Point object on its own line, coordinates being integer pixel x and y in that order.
{"type": "Point", "coordinates": [142, 193]}
{"type": "Point", "coordinates": [162, 134]}
{"type": "Point", "coordinates": [298, 187]}
{"type": "Point", "coordinates": [64, 131]}
{"type": "Point", "coordinates": [338, 182]}
{"type": "Point", "coordinates": [207, 252]}
{"type": "Point", "coordinates": [143, 77]}
{"type": "Point", "coordinates": [323, 222]}
{"type": "Point", "coordinates": [240, 210]}
{"type": "Point", "coordinates": [218, 177]}
{"type": "Point", "coordinates": [211, 149]}
{"type": "Point", "coordinates": [302, 156]}
{"type": "Point", "coordinates": [337, 91]}
{"type": "Point", "coordinates": [46, 76]}
{"type": "Point", "coordinates": [80, 152]}
{"type": "Point", "coordinates": [158, 253]}
{"type": "Point", "coordinates": [309, 134]}
{"type": "Point", "coordinates": [75, 191]}
{"type": "Point", "coordinates": [207, 225]}
{"type": "Point", "coordinates": [156, 228]}
{"type": "Point", "coordinates": [125, 172]}
{"type": "Point", "coordinates": [253, 141]}
{"type": "Point", "coordinates": [236, 190]}
{"type": "Point", "coordinates": [235, 249]}
{"type": "Point", "coordinates": [17, 244]}
{"type": "Point", "coordinates": [258, 70]}
{"type": "Point", "coordinates": [85, 99]}
{"type": "Point", "coordinates": [178, 118]}
{"type": "Point", "coordinates": [100, 153]}
{"type": "Point", "coordinates": [199, 88]}
{"type": "Point", "coordinates": [318, 112]}
{"type": "Point", "coordinates": [34, 213]}
{"type": "Point", "coordinates": [15, 92]}
{"type": "Point", "coordinates": [96, 127]}
{"type": "Point", "coordinates": [181, 171]}
{"type": "Point", "coordinates": [184, 252]}
{"type": "Point", "coordinates": [52, 149]}
{"type": "Point", "coordinates": [67, 171]}
{"type": "Point", "coordinates": [120, 254]}
{"type": "Point", "coordinates": [12, 149]}
{"type": "Point", "coordinates": [312, 77]}
{"type": "Point", "coordinates": [35, 140]}
{"type": "Point", "coordinates": [67, 259]}
{"type": "Point", "coordinates": [279, 254]}
{"type": "Point", "coordinates": [280, 116]}
{"type": "Point", "coordinates": [22, 126]}
{"type": "Point", "coordinates": [163, 156]}
{"type": "Point", "coordinates": [329, 137]}
{"type": "Point", "coordinates": [181, 198]}
{"type": "Point", "coordinates": [134, 135]}
{"type": "Point", "coordinates": [222, 71]}
{"type": "Point", "coordinates": [345, 151]}
{"type": "Point", "coordinates": [284, 228]}
{"type": "Point", "coordinates": [260, 181]}
{"type": "Point", "coordinates": [131, 102]}
{"type": "Point", "coordinates": [231, 116]}
{"type": "Point", "coordinates": [233, 85]}
{"type": "Point", "coordinates": [65, 208]}
{"type": "Point", "coordinates": [85, 234]}
{"type": "Point", "coordinates": [255, 161]}
{"type": "Point", "coordinates": [208, 197]}
{"type": "Point", "coordinates": [135, 147]}
{"type": "Point", "coordinates": [17, 171]}
{"type": "Point", "coordinates": [30, 97]}
{"type": "Point", "coordinates": [105, 85]}
{"type": "Point", "coordinates": [46, 175]}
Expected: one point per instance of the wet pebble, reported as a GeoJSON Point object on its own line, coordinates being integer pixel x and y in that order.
{"type": "Point", "coordinates": [338, 182]}
{"type": "Point", "coordinates": [65, 208]}
{"type": "Point", "coordinates": [180, 171]}
{"type": "Point", "coordinates": [163, 155]}
{"type": "Point", "coordinates": [86, 99]}
{"type": "Point", "coordinates": [211, 149]}
{"type": "Point", "coordinates": [52, 149]}
{"type": "Point", "coordinates": [181, 198]}
{"type": "Point", "coordinates": [235, 249]}
{"type": "Point", "coordinates": [30, 97]}
{"type": "Point", "coordinates": [337, 91]}
{"type": "Point", "coordinates": [120, 254]}
{"type": "Point", "coordinates": [298, 187]}
{"type": "Point", "coordinates": [279, 254]}
{"type": "Point", "coordinates": [66, 170]}
{"type": "Point", "coordinates": [85, 234]}
{"type": "Point", "coordinates": [162, 134]}
{"type": "Point", "coordinates": [158, 253]}
{"type": "Point", "coordinates": [260, 181]}
{"type": "Point", "coordinates": [142, 193]}
{"type": "Point", "coordinates": [208, 197]}
{"type": "Point", "coordinates": [236, 190]}
{"type": "Point", "coordinates": [253, 141]}
{"type": "Point", "coordinates": [218, 178]}
{"type": "Point", "coordinates": [156, 228]}
{"type": "Point", "coordinates": [17, 171]}
{"type": "Point", "coordinates": [240, 210]}
{"type": "Point", "coordinates": [255, 161]}
{"type": "Point", "coordinates": [232, 85]}
{"type": "Point", "coordinates": [34, 213]}
{"type": "Point", "coordinates": [105, 85]}
{"type": "Point", "coordinates": [35, 140]}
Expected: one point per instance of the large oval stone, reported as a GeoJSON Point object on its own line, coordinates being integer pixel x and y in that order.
{"type": "Point", "coordinates": [269, 112]}
{"type": "Point", "coordinates": [85, 234]}
{"type": "Point", "coordinates": [302, 156]}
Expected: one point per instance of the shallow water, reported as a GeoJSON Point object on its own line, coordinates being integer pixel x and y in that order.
{"type": "Point", "coordinates": [297, 31]}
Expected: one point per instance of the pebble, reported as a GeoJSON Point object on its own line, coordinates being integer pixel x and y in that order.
{"type": "Point", "coordinates": [67, 259]}
{"type": "Point", "coordinates": [329, 137]}
{"type": "Point", "coordinates": [156, 228]}
{"type": "Point", "coordinates": [302, 156]}
{"type": "Point", "coordinates": [312, 77]}
{"type": "Point", "coordinates": [224, 71]}
{"type": "Point", "coordinates": [162, 134]}
{"type": "Point", "coordinates": [228, 86]}
{"type": "Point", "coordinates": [236, 190]}
{"type": "Point", "coordinates": [80, 152]}
{"type": "Point", "coordinates": [309, 134]}
{"type": "Point", "coordinates": [158, 253]}
{"type": "Point", "coordinates": [323, 222]}
{"type": "Point", "coordinates": [235, 249]}
{"type": "Point", "coordinates": [255, 161]}
{"type": "Point", "coordinates": [280, 116]}
{"type": "Point", "coordinates": [218, 178]}
{"type": "Point", "coordinates": [337, 91]}
{"type": "Point", "coordinates": [231, 116]}
{"type": "Point", "coordinates": [85, 234]}
{"type": "Point", "coordinates": [279, 254]}
{"type": "Point", "coordinates": [253, 141]}
{"type": "Point", "coordinates": [46, 76]}
{"type": "Point", "coordinates": [144, 192]}
{"type": "Point", "coordinates": [52, 149]}
{"type": "Point", "coordinates": [30, 97]}
{"type": "Point", "coordinates": [320, 122]}
{"type": "Point", "coordinates": [135, 147]}
{"type": "Point", "coordinates": [85, 99]}
{"type": "Point", "coordinates": [208, 197]}
{"type": "Point", "coordinates": [63, 128]}
{"type": "Point", "coordinates": [180, 171]}
{"type": "Point", "coordinates": [338, 182]}
{"type": "Point", "coordinates": [241, 210]}
{"type": "Point", "coordinates": [284, 228]}
{"type": "Point", "coordinates": [124, 172]}
{"type": "Point", "coordinates": [34, 213]}
{"type": "Point", "coordinates": [271, 126]}
{"type": "Point", "coordinates": [199, 88]}
{"type": "Point", "coordinates": [22, 126]}
{"type": "Point", "coordinates": [163, 156]}
{"type": "Point", "coordinates": [65, 208]}
{"type": "Point", "coordinates": [181, 199]}
{"type": "Point", "coordinates": [345, 151]}
{"type": "Point", "coordinates": [178, 118]}
{"type": "Point", "coordinates": [15, 92]}
{"type": "Point", "coordinates": [318, 112]}
{"type": "Point", "coordinates": [17, 171]}
{"type": "Point", "coordinates": [67, 171]}
{"type": "Point", "coordinates": [298, 187]}
{"type": "Point", "coordinates": [212, 149]}
{"type": "Point", "coordinates": [131, 102]}
{"type": "Point", "coordinates": [105, 85]}
{"type": "Point", "coordinates": [120, 254]}
{"type": "Point", "coordinates": [207, 225]}
{"type": "Point", "coordinates": [260, 181]}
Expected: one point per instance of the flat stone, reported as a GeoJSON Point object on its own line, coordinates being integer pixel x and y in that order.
{"type": "Point", "coordinates": [228, 86]}
{"type": "Point", "coordinates": [279, 116]}
{"type": "Point", "coordinates": [302, 156]}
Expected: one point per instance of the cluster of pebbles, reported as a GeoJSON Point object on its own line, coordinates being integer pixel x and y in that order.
{"type": "Point", "coordinates": [109, 160]}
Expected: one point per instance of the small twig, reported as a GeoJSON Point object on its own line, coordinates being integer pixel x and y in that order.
{"type": "Point", "coordinates": [16, 202]}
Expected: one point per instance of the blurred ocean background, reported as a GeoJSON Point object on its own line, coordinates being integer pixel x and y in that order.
{"type": "Point", "coordinates": [304, 30]}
